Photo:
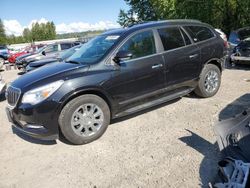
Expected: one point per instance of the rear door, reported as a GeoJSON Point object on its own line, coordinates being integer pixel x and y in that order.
{"type": "Point", "coordinates": [182, 57]}
{"type": "Point", "coordinates": [211, 46]}
{"type": "Point", "coordinates": [143, 74]}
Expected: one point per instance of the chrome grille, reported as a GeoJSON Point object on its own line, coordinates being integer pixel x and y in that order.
{"type": "Point", "coordinates": [12, 95]}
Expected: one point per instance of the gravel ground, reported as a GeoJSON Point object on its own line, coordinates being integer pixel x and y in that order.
{"type": "Point", "coordinates": [172, 145]}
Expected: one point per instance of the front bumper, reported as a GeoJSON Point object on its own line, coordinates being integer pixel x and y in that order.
{"type": "Point", "coordinates": [235, 57]}
{"type": "Point", "coordinates": [38, 122]}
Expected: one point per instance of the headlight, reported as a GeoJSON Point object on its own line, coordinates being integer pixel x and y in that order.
{"type": "Point", "coordinates": [37, 95]}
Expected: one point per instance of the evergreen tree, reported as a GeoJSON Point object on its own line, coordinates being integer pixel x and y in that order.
{"type": "Point", "coordinates": [2, 33]}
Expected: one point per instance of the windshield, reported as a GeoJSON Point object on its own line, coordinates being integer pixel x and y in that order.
{"type": "Point", "coordinates": [94, 50]}
{"type": "Point", "coordinates": [41, 49]}
{"type": "Point", "coordinates": [69, 52]}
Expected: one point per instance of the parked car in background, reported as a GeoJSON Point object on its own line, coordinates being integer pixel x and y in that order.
{"type": "Point", "coordinates": [238, 35]}
{"type": "Point", "coordinates": [12, 57]}
{"type": "Point", "coordinates": [4, 54]}
{"type": "Point", "coordinates": [63, 56]}
{"type": "Point", "coordinates": [2, 85]}
{"type": "Point", "coordinates": [30, 49]}
{"type": "Point", "coordinates": [50, 51]}
{"type": "Point", "coordinates": [241, 53]}
{"type": "Point", "coordinates": [117, 73]}
{"type": "Point", "coordinates": [240, 46]}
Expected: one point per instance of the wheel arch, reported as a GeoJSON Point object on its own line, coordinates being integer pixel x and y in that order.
{"type": "Point", "coordinates": [216, 62]}
{"type": "Point", "coordinates": [94, 91]}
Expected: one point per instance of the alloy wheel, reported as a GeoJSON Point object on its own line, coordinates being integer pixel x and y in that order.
{"type": "Point", "coordinates": [87, 120]}
{"type": "Point", "coordinates": [211, 81]}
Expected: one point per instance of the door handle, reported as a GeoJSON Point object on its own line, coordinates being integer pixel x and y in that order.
{"type": "Point", "coordinates": [193, 56]}
{"type": "Point", "coordinates": [157, 66]}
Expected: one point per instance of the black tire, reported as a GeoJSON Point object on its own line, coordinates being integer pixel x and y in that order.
{"type": "Point", "coordinates": [67, 113]}
{"type": "Point", "coordinates": [200, 89]}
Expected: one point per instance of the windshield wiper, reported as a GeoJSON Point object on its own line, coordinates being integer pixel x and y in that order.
{"type": "Point", "coordinates": [74, 62]}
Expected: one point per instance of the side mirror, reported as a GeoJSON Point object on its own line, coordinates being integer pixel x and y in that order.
{"type": "Point", "coordinates": [122, 55]}
{"type": "Point", "coordinates": [43, 53]}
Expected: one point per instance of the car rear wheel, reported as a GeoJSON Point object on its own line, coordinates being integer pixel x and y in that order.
{"type": "Point", "coordinates": [84, 119]}
{"type": "Point", "coordinates": [209, 82]}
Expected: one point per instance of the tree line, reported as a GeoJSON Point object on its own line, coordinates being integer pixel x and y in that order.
{"type": "Point", "coordinates": [38, 32]}
{"type": "Point", "coordinates": [41, 32]}
{"type": "Point", "coordinates": [224, 14]}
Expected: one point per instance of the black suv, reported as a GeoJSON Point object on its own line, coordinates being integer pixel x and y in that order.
{"type": "Point", "coordinates": [115, 74]}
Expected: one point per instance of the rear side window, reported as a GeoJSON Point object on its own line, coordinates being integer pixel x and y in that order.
{"type": "Point", "coordinates": [66, 46]}
{"type": "Point", "coordinates": [141, 44]}
{"type": "Point", "coordinates": [199, 33]}
{"type": "Point", "coordinates": [171, 38]}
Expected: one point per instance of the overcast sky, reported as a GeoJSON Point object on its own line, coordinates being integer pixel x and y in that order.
{"type": "Point", "coordinates": [68, 15]}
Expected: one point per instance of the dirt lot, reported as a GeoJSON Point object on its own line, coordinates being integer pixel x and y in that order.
{"type": "Point", "coordinates": [172, 145]}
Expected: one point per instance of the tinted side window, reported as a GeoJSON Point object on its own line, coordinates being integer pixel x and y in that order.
{"type": "Point", "coordinates": [171, 38]}
{"type": "Point", "coordinates": [66, 46]}
{"type": "Point", "coordinates": [141, 44]}
{"type": "Point", "coordinates": [199, 33]}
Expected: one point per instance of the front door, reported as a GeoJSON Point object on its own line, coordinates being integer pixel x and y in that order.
{"type": "Point", "coordinates": [143, 74]}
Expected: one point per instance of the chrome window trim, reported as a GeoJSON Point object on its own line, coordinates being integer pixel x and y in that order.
{"type": "Point", "coordinates": [109, 60]}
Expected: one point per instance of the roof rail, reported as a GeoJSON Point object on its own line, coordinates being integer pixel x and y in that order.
{"type": "Point", "coordinates": [183, 20]}
{"type": "Point", "coordinates": [138, 23]}
{"type": "Point", "coordinates": [162, 21]}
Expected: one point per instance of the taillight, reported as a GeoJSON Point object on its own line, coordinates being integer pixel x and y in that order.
{"type": "Point", "coordinates": [226, 45]}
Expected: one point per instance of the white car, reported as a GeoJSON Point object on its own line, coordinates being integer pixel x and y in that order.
{"type": "Point", "coordinates": [2, 85]}
{"type": "Point", "coordinates": [222, 34]}
{"type": "Point", "coordinates": [1, 64]}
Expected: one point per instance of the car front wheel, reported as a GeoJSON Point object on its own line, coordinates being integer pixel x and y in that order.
{"type": "Point", "coordinates": [84, 119]}
{"type": "Point", "coordinates": [209, 82]}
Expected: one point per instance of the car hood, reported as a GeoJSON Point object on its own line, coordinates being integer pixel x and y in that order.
{"type": "Point", "coordinates": [32, 57]}
{"type": "Point", "coordinates": [52, 72]}
{"type": "Point", "coordinates": [23, 56]}
{"type": "Point", "coordinates": [244, 44]}
{"type": "Point", "coordinates": [42, 62]}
